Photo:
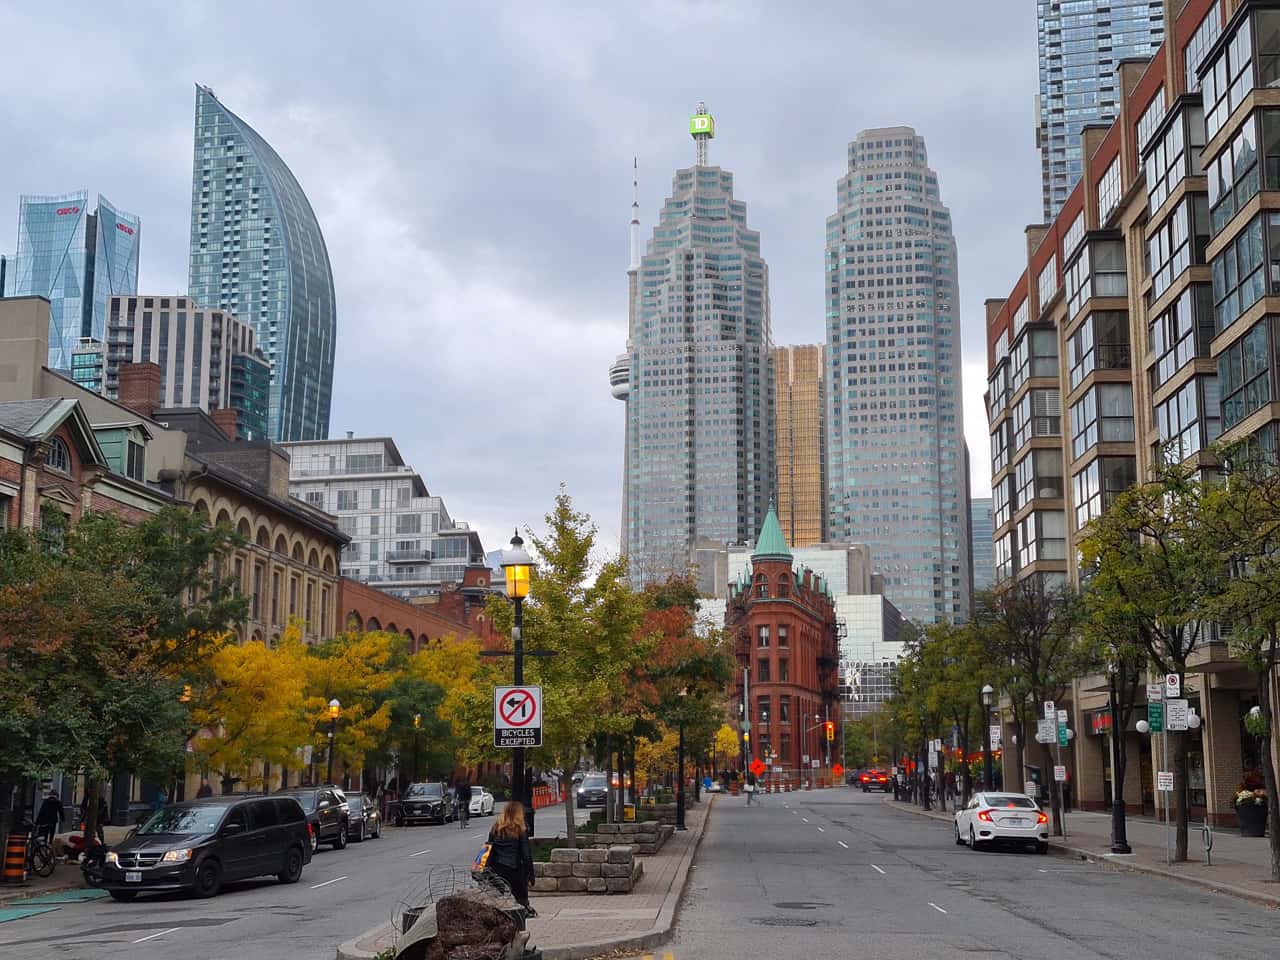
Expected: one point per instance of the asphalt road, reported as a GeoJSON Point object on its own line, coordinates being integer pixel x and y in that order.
{"type": "Point", "coordinates": [341, 894]}
{"type": "Point", "coordinates": [836, 873]}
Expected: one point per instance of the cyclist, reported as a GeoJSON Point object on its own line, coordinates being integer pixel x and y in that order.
{"type": "Point", "coordinates": [50, 817]}
{"type": "Point", "coordinates": [462, 793]}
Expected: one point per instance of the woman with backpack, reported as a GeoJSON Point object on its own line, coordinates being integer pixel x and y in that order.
{"type": "Point", "coordinates": [510, 856]}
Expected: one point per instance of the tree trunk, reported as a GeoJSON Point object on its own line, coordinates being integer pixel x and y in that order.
{"type": "Point", "coordinates": [1055, 800]}
{"type": "Point", "coordinates": [1269, 767]}
{"type": "Point", "coordinates": [631, 762]}
{"type": "Point", "coordinates": [566, 787]}
{"type": "Point", "coordinates": [966, 775]}
{"type": "Point", "coordinates": [92, 792]}
{"type": "Point", "coordinates": [608, 780]}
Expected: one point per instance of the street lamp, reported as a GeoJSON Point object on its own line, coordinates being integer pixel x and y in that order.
{"type": "Point", "coordinates": [684, 692]}
{"type": "Point", "coordinates": [417, 725]}
{"type": "Point", "coordinates": [517, 567]}
{"type": "Point", "coordinates": [988, 695]}
{"type": "Point", "coordinates": [334, 709]}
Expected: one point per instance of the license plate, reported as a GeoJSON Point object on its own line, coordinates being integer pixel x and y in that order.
{"type": "Point", "coordinates": [133, 876]}
{"type": "Point", "coordinates": [1015, 821]}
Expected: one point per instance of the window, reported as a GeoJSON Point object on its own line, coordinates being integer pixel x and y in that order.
{"type": "Point", "coordinates": [375, 498]}
{"type": "Point", "coordinates": [999, 388]}
{"type": "Point", "coordinates": [275, 597]}
{"type": "Point", "coordinates": [1244, 376]}
{"type": "Point", "coordinates": [1178, 243]}
{"type": "Point", "coordinates": [315, 498]}
{"type": "Point", "coordinates": [1099, 271]}
{"type": "Point", "coordinates": [782, 634]}
{"type": "Point", "coordinates": [58, 457]}
{"type": "Point", "coordinates": [348, 500]}
{"type": "Point", "coordinates": [1020, 316]}
{"type": "Point", "coordinates": [259, 571]}
{"type": "Point", "coordinates": [1003, 556]}
{"type": "Point", "coordinates": [1170, 161]}
{"type": "Point", "coordinates": [373, 549]}
{"type": "Point", "coordinates": [403, 496]}
{"type": "Point", "coordinates": [1047, 282]}
{"type": "Point", "coordinates": [1003, 502]}
{"type": "Point", "coordinates": [763, 705]}
{"type": "Point", "coordinates": [1228, 79]}
{"type": "Point", "coordinates": [364, 462]}
{"type": "Point", "coordinates": [762, 670]}
{"type": "Point", "coordinates": [1181, 332]}
{"type": "Point", "coordinates": [1039, 475]}
{"type": "Point", "coordinates": [1035, 354]}
{"type": "Point", "coordinates": [784, 672]}
{"type": "Point", "coordinates": [1238, 282]}
{"type": "Point", "coordinates": [1199, 45]}
{"type": "Point", "coordinates": [762, 636]}
{"type": "Point", "coordinates": [1042, 536]}
{"type": "Point", "coordinates": [1000, 444]}
{"type": "Point", "coordinates": [1109, 191]}
{"type": "Point", "coordinates": [1101, 343]}
{"type": "Point", "coordinates": [374, 524]}
{"type": "Point", "coordinates": [409, 523]}
{"type": "Point", "coordinates": [784, 709]}
{"type": "Point", "coordinates": [135, 460]}
{"type": "Point", "coordinates": [1104, 414]}
{"type": "Point", "coordinates": [6, 503]}
{"type": "Point", "coordinates": [1096, 486]}
{"type": "Point", "coordinates": [1038, 414]}
{"type": "Point", "coordinates": [762, 587]}
{"type": "Point", "coordinates": [1074, 234]}
{"type": "Point", "coordinates": [1233, 175]}
{"type": "Point", "coordinates": [1189, 420]}
{"type": "Point", "coordinates": [1150, 119]}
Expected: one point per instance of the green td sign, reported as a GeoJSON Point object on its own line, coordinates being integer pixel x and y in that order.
{"type": "Point", "coordinates": [1155, 717]}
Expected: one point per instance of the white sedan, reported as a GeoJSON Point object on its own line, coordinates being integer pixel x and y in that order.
{"type": "Point", "coordinates": [481, 802]}
{"type": "Point", "coordinates": [991, 817]}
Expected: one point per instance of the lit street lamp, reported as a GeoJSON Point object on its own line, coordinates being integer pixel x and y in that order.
{"type": "Point", "coordinates": [334, 709]}
{"type": "Point", "coordinates": [517, 566]}
{"type": "Point", "coordinates": [417, 725]}
{"type": "Point", "coordinates": [988, 696]}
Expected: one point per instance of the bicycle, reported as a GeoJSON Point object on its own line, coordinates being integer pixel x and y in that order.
{"type": "Point", "coordinates": [40, 858]}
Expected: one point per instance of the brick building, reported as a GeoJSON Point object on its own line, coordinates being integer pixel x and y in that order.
{"type": "Point", "coordinates": [782, 620]}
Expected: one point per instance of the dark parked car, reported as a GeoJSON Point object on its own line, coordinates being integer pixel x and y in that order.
{"type": "Point", "coordinates": [427, 803]}
{"type": "Point", "coordinates": [875, 780]}
{"type": "Point", "coordinates": [201, 844]}
{"type": "Point", "coordinates": [327, 812]}
{"type": "Point", "coordinates": [592, 792]}
{"type": "Point", "coordinates": [365, 820]}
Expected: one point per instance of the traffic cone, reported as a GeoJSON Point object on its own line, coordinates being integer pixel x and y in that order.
{"type": "Point", "coordinates": [15, 859]}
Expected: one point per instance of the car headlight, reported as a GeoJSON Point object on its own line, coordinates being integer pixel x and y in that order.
{"type": "Point", "coordinates": [176, 856]}
{"type": "Point", "coordinates": [112, 858]}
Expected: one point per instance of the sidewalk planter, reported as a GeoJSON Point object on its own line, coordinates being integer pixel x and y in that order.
{"type": "Point", "coordinates": [647, 836]}
{"type": "Point", "coordinates": [1252, 818]}
{"type": "Point", "coordinates": [612, 870]}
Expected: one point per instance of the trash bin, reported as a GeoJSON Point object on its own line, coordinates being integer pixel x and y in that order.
{"type": "Point", "coordinates": [628, 812]}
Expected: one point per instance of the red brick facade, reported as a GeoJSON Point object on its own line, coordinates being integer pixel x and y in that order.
{"type": "Point", "coordinates": [457, 612]}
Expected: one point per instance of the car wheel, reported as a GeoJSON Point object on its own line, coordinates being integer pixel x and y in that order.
{"type": "Point", "coordinates": [208, 879]}
{"type": "Point", "coordinates": [400, 821]}
{"type": "Point", "coordinates": [1042, 848]}
{"type": "Point", "coordinates": [340, 841]}
{"type": "Point", "coordinates": [959, 839]}
{"type": "Point", "coordinates": [292, 871]}
{"type": "Point", "coordinates": [315, 843]}
{"type": "Point", "coordinates": [377, 830]}
{"type": "Point", "coordinates": [360, 834]}
{"type": "Point", "coordinates": [973, 840]}
{"type": "Point", "coordinates": [124, 896]}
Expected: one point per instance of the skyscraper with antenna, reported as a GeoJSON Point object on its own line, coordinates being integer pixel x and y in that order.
{"type": "Point", "coordinates": [696, 375]}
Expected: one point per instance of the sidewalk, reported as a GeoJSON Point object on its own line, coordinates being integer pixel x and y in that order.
{"type": "Point", "coordinates": [65, 876]}
{"type": "Point", "coordinates": [569, 927]}
{"type": "Point", "coordinates": [1241, 866]}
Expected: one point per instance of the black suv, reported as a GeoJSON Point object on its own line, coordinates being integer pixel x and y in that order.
{"type": "Point", "coordinates": [427, 803]}
{"type": "Point", "coordinates": [327, 813]}
{"type": "Point", "coordinates": [201, 844]}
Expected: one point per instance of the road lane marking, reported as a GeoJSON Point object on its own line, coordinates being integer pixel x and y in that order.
{"type": "Point", "coordinates": [820, 830]}
{"type": "Point", "coordinates": [154, 935]}
{"type": "Point", "coordinates": [418, 854]}
{"type": "Point", "coordinates": [327, 882]}
{"type": "Point", "coordinates": [805, 819]}
{"type": "Point", "coordinates": [936, 907]}
{"type": "Point", "coordinates": [843, 844]}
{"type": "Point", "coordinates": [876, 869]}
{"type": "Point", "coordinates": [1042, 870]}
{"type": "Point", "coordinates": [476, 836]}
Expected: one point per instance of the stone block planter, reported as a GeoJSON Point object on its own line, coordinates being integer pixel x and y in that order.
{"type": "Point", "coordinates": [647, 836]}
{"type": "Point", "coordinates": [594, 870]}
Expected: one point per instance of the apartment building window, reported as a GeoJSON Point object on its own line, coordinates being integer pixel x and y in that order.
{"type": "Point", "coordinates": [1099, 271]}
{"type": "Point", "coordinates": [259, 572]}
{"type": "Point", "coordinates": [1047, 282]}
{"type": "Point", "coordinates": [1190, 419]}
{"type": "Point", "coordinates": [784, 671]}
{"type": "Point", "coordinates": [1020, 316]}
{"type": "Point", "coordinates": [373, 549]}
{"type": "Point", "coordinates": [1109, 191]}
{"type": "Point", "coordinates": [1178, 243]}
{"type": "Point", "coordinates": [1199, 45]}
{"type": "Point", "coordinates": [293, 596]}
{"type": "Point", "coordinates": [1104, 414]}
{"type": "Point", "coordinates": [315, 498]}
{"type": "Point", "coordinates": [1233, 175]}
{"type": "Point", "coordinates": [782, 634]}
{"type": "Point", "coordinates": [1042, 536]}
{"type": "Point", "coordinates": [309, 611]}
{"type": "Point", "coordinates": [1169, 161]}
{"type": "Point", "coordinates": [1095, 487]}
{"type": "Point", "coordinates": [1039, 475]}
{"type": "Point", "coordinates": [762, 636]}
{"type": "Point", "coordinates": [135, 460]}
{"type": "Point", "coordinates": [1035, 354]}
{"type": "Point", "coordinates": [275, 597]}
{"type": "Point", "coordinates": [348, 500]}
{"type": "Point", "coordinates": [1181, 332]}
{"type": "Point", "coordinates": [1074, 235]}
{"type": "Point", "coordinates": [364, 462]}
{"type": "Point", "coordinates": [762, 670]}
{"type": "Point", "coordinates": [349, 524]}
{"type": "Point", "coordinates": [784, 709]}
{"type": "Point", "coordinates": [1003, 556]}
{"type": "Point", "coordinates": [375, 498]}
{"type": "Point", "coordinates": [999, 390]}
{"type": "Point", "coordinates": [404, 496]}
{"type": "Point", "coordinates": [409, 523]}
{"type": "Point", "coordinates": [1238, 280]}
{"type": "Point", "coordinates": [1003, 502]}
{"type": "Point", "coordinates": [1101, 343]}
{"type": "Point", "coordinates": [1232, 74]}
{"type": "Point", "coordinates": [1001, 438]}
{"type": "Point", "coordinates": [1244, 375]}
{"type": "Point", "coordinates": [763, 709]}
{"type": "Point", "coordinates": [324, 611]}
{"type": "Point", "coordinates": [1038, 414]}
{"type": "Point", "coordinates": [374, 524]}
{"type": "Point", "coordinates": [351, 552]}
{"type": "Point", "coordinates": [1149, 122]}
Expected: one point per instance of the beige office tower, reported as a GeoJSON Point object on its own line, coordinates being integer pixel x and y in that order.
{"type": "Point", "coordinates": [801, 445]}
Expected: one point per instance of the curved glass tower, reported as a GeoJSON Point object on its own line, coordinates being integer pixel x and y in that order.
{"type": "Point", "coordinates": [257, 251]}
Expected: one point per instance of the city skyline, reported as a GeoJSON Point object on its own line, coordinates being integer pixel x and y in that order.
{"type": "Point", "coordinates": [414, 262]}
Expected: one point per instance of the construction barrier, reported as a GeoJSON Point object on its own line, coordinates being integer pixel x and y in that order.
{"type": "Point", "coordinates": [15, 858]}
{"type": "Point", "coordinates": [546, 797]}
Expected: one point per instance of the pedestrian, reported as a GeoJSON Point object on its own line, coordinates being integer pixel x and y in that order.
{"type": "Point", "coordinates": [49, 819]}
{"type": "Point", "coordinates": [104, 814]}
{"type": "Point", "coordinates": [510, 856]}
{"type": "Point", "coordinates": [161, 799]}
{"type": "Point", "coordinates": [205, 790]}
{"type": "Point", "coordinates": [462, 793]}
{"type": "Point", "coordinates": [749, 786]}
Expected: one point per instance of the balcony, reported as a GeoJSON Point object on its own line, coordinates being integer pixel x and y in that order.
{"type": "Point", "coordinates": [408, 556]}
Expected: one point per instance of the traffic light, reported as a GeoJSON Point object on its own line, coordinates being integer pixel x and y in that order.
{"type": "Point", "coordinates": [831, 730]}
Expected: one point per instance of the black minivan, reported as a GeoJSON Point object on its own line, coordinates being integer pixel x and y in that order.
{"type": "Point", "coordinates": [201, 844]}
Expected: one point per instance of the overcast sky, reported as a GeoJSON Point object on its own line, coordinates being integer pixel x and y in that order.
{"type": "Point", "coordinates": [470, 166]}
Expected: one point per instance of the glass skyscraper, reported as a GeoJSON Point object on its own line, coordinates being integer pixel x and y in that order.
{"type": "Point", "coordinates": [696, 377]}
{"type": "Point", "coordinates": [895, 433]}
{"type": "Point", "coordinates": [980, 532]}
{"type": "Point", "coordinates": [257, 251]}
{"type": "Point", "coordinates": [76, 258]}
{"type": "Point", "coordinates": [1081, 44]}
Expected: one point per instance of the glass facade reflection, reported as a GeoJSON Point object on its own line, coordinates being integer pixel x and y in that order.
{"type": "Point", "coordinates": [257, 251]}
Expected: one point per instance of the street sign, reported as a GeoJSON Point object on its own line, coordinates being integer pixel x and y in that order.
{"type": "Point", "coordinates": [1176, 715]}
{"type": "Point", "coordinates": [1049, 710]}
{"type": "Point", "coordinates": [805, 758]}
{"type": "Point", "coordinates": [1062, 734]}
{"type": "Point", "coordinates": [517, 716]}
{"type": "Point", "coordinates": [1155, 717]}
{"type": "Point", "coordinates": [1172, 686]}
{"type": "Point", "coordinates": [1164, 781]}
{"type": "Point", "coordinates": [933, 760]}
{"type": "Point", "coordinates": [837, 770]}
{"type": "Point", "coordinates": [1060, 774]}
{"type": "Point", "coordinates": [1155, 691]}
{"type": "Point", "coordinates": [1062, 716]}
{"type": "Point", "coordinates": [937, 744]}
{"type": "Point", "coordinates": [995, 736]}
{"type": "Point", "coordinates": [1046, 731]}
{"type": "Point", "coordinates": [757, 767]}
{"type": "Point", "coordinates": [816, 763]}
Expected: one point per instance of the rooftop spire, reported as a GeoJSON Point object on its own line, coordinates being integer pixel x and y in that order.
{"type": "Point", "coordinates": [702, 127]}
{"type": "Point", "coordinates": [635, 216]}
{"type": "Point", "coordinates": [771, 544]}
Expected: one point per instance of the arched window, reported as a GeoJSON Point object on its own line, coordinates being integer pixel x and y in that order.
{"type": "Point", "coordinates": [59, 457]}
{"type": "Point", "coordinates": [784, 585]}
{"type": "Point", "coordinates": [762, 585]}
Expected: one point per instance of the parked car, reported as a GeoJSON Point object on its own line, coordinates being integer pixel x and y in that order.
{"type": "Point", "coordinates": [364, 821]}
{"type": "Point", "coordinates": [993, 817]}
{"type": "Point", "coordinates": [427, 803]}
{"type": "Point", "coordinates": [481, 802]}
{"type": "Point", "coordinates": [202, 844]}
{"type": "Point", "coordinates": [592, 792]}
{"type": "Point", "coordinates": [874, 780]}
{"type": "Point", "coordinates": [327, 811]}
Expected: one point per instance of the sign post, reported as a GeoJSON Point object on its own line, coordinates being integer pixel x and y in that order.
{"type": "Point", "coordinates": [517, 717]}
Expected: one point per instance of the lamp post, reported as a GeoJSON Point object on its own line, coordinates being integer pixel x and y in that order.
{"type": "Point", "coordinates": [417, 726]}
{"type": "Point", "coordinates": [988, 695]}
{"type": "Point", "coordinates": [1119, 829]}
{"type": "Point", "coordinates": [684, 692]}
{"type": "Point", "coordinates": [334, 709]}
{"type": "Point", "coordinates": [516, 565]}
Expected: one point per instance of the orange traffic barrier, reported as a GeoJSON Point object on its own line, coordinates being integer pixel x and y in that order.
{"type": "Point", "coordinates": [15, 858]}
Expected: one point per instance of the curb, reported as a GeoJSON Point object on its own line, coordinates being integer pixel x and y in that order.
{"type": "Point", "coordinates": [18, 895]}
{"type": "Point", "coordinates": [658, 934]}
{"type": "Point", "coordinates": [1061, 849]}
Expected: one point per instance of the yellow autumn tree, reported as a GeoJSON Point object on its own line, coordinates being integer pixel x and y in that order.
{"type": "Point", "coordinates": [727, 746]}
{"type": "Point", "coordinates": [354, 669]}
{"type": "Point", "coordinates": [655, 758]}
{"type": "Point", "coordinates": [452, 665]}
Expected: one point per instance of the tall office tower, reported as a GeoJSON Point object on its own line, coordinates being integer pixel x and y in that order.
{"type": "Point", "coordinates": [257, 251]}
{"type": "Point", "coordinates": [982, 549]}
{"type": "Point", "coordinates": [6, 264]}
{"type": "Point", "coordinates": [696, 377]}
{"type": "Point", "coordinates": [799, 386]}
{"type": "Point", "coordinates": [1080, 48]}
{"type": "Point", "coordinates": [895, 434]}
{"type": "Point", "coordinates": [77, 259]}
